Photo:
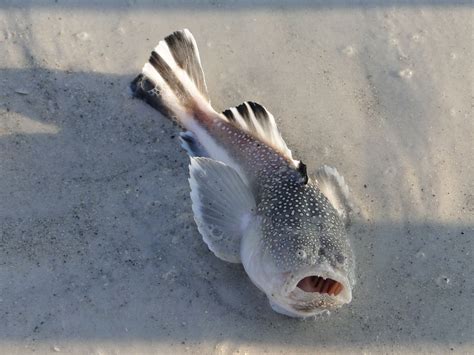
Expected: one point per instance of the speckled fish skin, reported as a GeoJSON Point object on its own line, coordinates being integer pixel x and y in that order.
{"type": "Point", "coordinates": [286, 232]}
{"type": "Point", "coordinates": [302, 231]}
{"type": "Point", "coordinates": [299, 225]}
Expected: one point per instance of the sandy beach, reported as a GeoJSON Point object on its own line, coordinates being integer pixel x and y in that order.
{"type": "Point", "coordinates": [99, 252]}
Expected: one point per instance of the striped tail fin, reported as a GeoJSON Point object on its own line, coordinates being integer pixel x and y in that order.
{"type": "Point", "coordinates": [173, 81]}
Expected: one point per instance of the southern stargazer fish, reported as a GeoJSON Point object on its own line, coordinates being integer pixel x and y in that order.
{"type": "Point", "coordinates": [254, 203]}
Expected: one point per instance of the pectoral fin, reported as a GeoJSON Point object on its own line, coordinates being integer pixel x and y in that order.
{"type": "Point", "coordinates": [222, 205]}
{"type": "Point", "coordinates": [333, 186]}
{"type": "Point", "coordinates": [192, 146]}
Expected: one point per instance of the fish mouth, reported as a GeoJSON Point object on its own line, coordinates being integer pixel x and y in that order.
{"type": "Point", "coordinates": [312, 291]}
{"type": "Point", "coordinates": [324, 283]}
{"type": "Point", "coordinates": [319, 284]}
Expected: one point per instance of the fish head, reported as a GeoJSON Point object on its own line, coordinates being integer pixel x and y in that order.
{"type": "Point", "coordinates": [304, 264]}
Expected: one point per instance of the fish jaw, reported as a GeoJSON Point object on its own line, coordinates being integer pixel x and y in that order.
{"type": "Point", "coordinates": [307, 303]}
{"type": "Point", "coordinates": [336, 280]}
{"type": "Point", "coordinates": [295, 302]}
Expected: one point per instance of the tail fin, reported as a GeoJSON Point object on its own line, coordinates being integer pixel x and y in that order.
{"type": "Point", "coordinates": [173, 81]}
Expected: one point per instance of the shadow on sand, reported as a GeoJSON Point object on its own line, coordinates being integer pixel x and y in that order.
{"type": "Point", "coordinates": [98, 239]}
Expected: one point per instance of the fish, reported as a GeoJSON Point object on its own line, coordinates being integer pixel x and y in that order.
{"type": "Point", "coordinates": [253, 203]}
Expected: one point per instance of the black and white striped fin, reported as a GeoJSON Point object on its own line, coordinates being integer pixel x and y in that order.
{"type": "Point", "coordinates": [172, 81]}
{"type": "Point", "coordinates": [223, 205]}
{"type": "Point", "coordinates": [334, 187]}
{"type": "Point", "coordinates": [183, 48]}
{"type": "Point", "coordinates": [255, 118]}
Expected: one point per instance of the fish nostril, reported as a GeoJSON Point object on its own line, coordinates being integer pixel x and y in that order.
{"type": "Point", "coordinates": [320, 285]}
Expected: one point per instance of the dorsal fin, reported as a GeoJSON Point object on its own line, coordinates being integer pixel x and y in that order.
{"type": "Point", "coordinates": [255, 118]}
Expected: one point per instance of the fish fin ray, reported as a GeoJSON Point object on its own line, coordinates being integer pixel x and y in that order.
{"type": "Point", "coordinates": [172, 81]}
{"type": "Point", "coordinates": [256, 119]}
{"type": "Point", "coordinates": [221, 202]}
{"type": "Point", "coordinates": [334, 187]}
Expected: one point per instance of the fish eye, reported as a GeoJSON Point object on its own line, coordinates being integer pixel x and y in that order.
{"type": "Point", "coordinates": [340, 258]}
{"type": "Point", "coordinates": [301, 254]}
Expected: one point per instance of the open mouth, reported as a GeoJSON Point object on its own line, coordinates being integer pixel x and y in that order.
{"type": "Point", "coordinates": [320, 285]}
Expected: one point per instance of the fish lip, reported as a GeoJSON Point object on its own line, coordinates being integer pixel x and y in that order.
{"type": "Point", "coordinates": [324, 271]}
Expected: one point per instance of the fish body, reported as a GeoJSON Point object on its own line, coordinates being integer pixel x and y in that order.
{"type": "Point", "coordinates": [254, 203]}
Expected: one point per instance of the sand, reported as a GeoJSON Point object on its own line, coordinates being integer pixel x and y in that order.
{"type": "Point", "coordinates": [99, 253]}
